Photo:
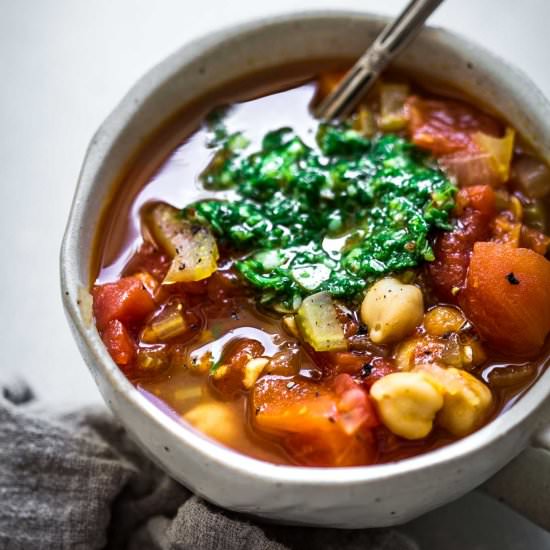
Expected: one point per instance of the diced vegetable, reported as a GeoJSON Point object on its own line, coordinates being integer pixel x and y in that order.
{"type": "Point", "coordinates": [453, 249]}
{"type": "Point", "coordinates": [507, 297]}
{"type": "Point", "coordinates": [168, 324]}
{"type": "Point", "coordinates": [284, 363]}
{"type": "Point", "coordinates": [152, 359]}
{"type": "Point", "coordinates": [119, 343]}
{"type": "Point", "coordinates": [149, 282]}
{"type": "Point", "coordinates": [532, 176]}
{"type": "Point", "coordinates": [126, 300]}
{"type": "Point", "coordinates": [448, 126]}
{"type": "Point", "coordinates": [448, 349]}
{"type": "Point", "coordinates": [229, 375]}
{"type": "Point", "coordinates": [317, 426]}
{"type": "Point", "coordinates": [500, 151]}
{"type": "Point", "coordinates": [393, 116]}
{"type": "Point", "coordinates": [506, 230]}
{"type": "Point", "coordinates": [318, 323]}
{"type": "Point", "coordinates": [348, 361]}
{"type": "Point", "coordinates": [469, 167]}
{"type": "Point", "coordinates": [442, 320]}
{"type": "Point", "coordinates": [192, 246]}
{"type": "Point", "coordinates": [484, 161]}
{"type": "Point", "coordinates": [535, 240]}
{"type": "Point", "coordinates": [354, 406]}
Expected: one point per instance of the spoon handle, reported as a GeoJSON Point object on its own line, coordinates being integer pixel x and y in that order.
{"type": "Point", "coordinates": [393, 38]}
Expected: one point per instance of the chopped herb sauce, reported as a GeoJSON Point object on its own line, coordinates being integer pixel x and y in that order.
{"type": "Point", "coordinates": [331, 218]}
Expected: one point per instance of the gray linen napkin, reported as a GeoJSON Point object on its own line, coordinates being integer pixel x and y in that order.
{"type": "Point", "coordinates": [76, 481]}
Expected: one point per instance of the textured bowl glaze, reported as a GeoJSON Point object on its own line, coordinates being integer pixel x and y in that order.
{"type": "Point", "coordinates": [371, 496]}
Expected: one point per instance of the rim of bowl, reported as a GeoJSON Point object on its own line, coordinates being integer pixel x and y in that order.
{"type": "Point", "coordinates": [208, 449]}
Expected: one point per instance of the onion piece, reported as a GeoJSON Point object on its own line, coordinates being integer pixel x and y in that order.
{"type": "Point", "coordinates": [470, 167]}
{"type": "Point", "coordinates": [192, 247]}
{"type": "Point", "coordinates": [485, 162]}
{"type": "Point", "coordinates": [152, 359]}
{"type": "Point", "coordinates": [500, 151]}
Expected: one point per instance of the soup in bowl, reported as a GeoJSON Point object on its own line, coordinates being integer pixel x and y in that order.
{"type": "Point", "coordinates": [319, 294]}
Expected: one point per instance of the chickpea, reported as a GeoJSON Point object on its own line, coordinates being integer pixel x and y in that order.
{"type": "Point", "coordinates": [407, 403]}
{"type": "Point", "coordinates": [442, 320]}
{"type": "Point", "coordinates": [466, 399]}
{"type": "Point", "coordinates": [391, 310]}
{"type": "Point", "coordinates": [465, 409]}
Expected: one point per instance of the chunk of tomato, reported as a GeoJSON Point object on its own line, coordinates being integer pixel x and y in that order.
{"type": "Point", "coordinates": [446, 126]}
{"type": "Point", "coordinates": [119, 343]}
{"type": "Point", "coordinates": [126, 300]}
{"type": "Point", "coordinates": [452, 249]}
{"type": "Point", "coordinates": [507, 297]}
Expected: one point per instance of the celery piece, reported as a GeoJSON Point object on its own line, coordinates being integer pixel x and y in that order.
{"type": "Point", "coordinates": [319, 324]}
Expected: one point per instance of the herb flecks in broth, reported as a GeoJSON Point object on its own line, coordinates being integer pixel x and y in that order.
{"type": "Point", "coordinates": [330, 218]}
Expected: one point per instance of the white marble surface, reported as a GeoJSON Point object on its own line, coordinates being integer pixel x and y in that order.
{"type": "Point", "coordinates": [64, 65]}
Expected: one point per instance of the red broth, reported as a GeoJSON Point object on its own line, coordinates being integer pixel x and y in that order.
{"type": "Point", "coordinates": [222, 315]}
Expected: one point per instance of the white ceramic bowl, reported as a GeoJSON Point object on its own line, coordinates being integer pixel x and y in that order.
{"type": "Point", "coordinates": [370, 496]}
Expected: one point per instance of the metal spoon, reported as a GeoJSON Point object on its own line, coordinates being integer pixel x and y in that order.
{"type": "Point", "coordinates": [359, 79]}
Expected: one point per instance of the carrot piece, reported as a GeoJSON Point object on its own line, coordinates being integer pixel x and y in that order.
{"type": "Point", "coordinates": [317, 425]}
{"type": "Point", "coordinates": [119, 343]}
{"type": "Point", "coordinates": [126, 300]}
{"type": "Point", "coordinates": [507, 297]}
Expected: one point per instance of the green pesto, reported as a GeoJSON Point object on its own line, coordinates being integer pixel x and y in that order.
{"type": "Point", "coordinates": [383, 195]}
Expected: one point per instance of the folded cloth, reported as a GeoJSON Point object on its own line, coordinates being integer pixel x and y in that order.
{"type": "Point", "coordinates": [77, 481]}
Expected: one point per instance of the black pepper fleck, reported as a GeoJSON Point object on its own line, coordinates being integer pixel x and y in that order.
{"type": "Point", "coordinates": [365, 371]}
